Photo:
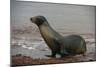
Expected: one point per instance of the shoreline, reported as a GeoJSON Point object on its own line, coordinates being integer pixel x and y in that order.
{"type": "Point", "coordinates": [26, 60]}
{"type": "Point", "coordinates": [27, 49]}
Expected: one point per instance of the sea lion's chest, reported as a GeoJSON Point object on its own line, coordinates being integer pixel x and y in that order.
{"type": "Point", "coordinates": [47, 34]}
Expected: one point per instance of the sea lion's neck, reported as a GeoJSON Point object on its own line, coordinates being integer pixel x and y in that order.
{"type": "Point", "coordinates": [46, 26]}
{"type": "Point", "coordinates": [47, 30]}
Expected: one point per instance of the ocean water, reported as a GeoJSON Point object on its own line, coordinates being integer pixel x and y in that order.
{"type": "Point", "coordinates": [62, 17]}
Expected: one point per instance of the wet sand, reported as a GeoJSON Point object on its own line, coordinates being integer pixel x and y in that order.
{"type": "Point", "coordinates": [26, 60]}
{"type": "Point", "coordinates": [30, 49]}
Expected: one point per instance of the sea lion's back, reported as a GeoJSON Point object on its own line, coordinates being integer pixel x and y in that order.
{"type": "Point", "coordinates": [74, 44]}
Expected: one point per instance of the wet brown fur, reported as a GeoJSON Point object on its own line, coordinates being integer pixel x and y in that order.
{"type": "Point", "coordinates": [69, 45]}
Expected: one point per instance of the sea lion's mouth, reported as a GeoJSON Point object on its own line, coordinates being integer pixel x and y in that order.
{"type": "Point", "coordinates": [32, 20]}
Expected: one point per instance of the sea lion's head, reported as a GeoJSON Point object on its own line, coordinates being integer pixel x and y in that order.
{"type": "Point", "coordinates": [38, 20]}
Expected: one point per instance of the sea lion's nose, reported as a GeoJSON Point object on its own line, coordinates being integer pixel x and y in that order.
{"type": "Point", "coordinates": [31, 19]}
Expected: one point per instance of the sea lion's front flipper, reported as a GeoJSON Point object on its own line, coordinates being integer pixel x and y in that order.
{"type": "Point", "coordinates": [56, 49]}
{"type": "Point", "coordinates": [61, 49]}
{"type": "Point", "coordinates": [52, 55]}
{"type": "Point", "coordinates": [64, 53]}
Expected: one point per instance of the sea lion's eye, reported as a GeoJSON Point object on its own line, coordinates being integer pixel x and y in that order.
{"type": "Point", "coordinates": [40, 20]}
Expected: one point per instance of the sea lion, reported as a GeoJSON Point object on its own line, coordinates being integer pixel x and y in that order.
{"type": "Point", "coordinates": [68, 45]}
